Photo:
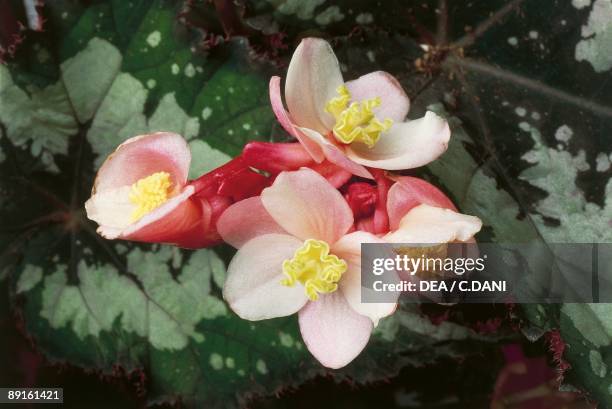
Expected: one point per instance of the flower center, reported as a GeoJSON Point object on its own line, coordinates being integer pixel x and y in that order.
{"type": "Point", "coordinates": [149, 193]}
{"type": "Point", "coordinates": [356, 122]}
{"type": "Point", "coordinates": [315, 268]}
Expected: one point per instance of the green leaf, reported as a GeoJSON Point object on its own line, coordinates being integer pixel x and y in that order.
{"type": "Point", "coordinates": [43, 120]}
{"type": "Point", "coordinates": [89, 75]}
{"type": "Point", "coordinates": [163, 310]}
{"type": "Point", "coordinates": [587, 336]}
{"type": "Point", "coordinates": [596, 44]}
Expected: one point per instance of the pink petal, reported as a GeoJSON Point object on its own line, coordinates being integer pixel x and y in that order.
{"type": "Point", "coordinates": [253, 287]}
{"type": "Point", "coordinates": [143, 155]}
{"type": "Point", "coordinates": [394, 101]}
{"type": "Point", "coordinates": [246, 220]}
{"type": "Point", "coordinates": [332, 331]}
{"type": "Point", "coordinates": [431, 225]}
{"type": "Point", "coordinates": [283, 118]}
{"type": "Point", "coordinates": [409, 192]}
{"type": "Point", "coordinates": [276, 100]}
{"type": "Point", "coordinates": [406, 145]}
{"type": "Point", "coordinates": [367, 224]}
{"type": "Point", "coordinates": [348, 248]}
{"type": "Point", "coordinates": [177, 218]}
{"type": "Point", "coordinates": [334, 174]}
{"type": "Point", "coordinates": [183, 221]}
{"type": "Point", "coordinates": [336, 155]}
{"type": "Point", "coordinates": [313, 77]}
{"type": "Point", "coordinates": [307, 206]}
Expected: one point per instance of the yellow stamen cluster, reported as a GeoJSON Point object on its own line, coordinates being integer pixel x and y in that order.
{"type": "Point", "coordinates": [315, 268]}
{"type": "Point", "coordinates": [356, 122]}
{"type": "Point", "coordinates": [149, 193]}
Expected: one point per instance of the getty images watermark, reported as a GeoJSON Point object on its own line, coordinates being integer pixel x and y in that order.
{"type": "Point", "coordinates": [487, 272]}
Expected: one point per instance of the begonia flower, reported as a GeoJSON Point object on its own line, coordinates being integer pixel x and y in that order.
{"type": "Point", "coordinates": [354, 124]}
{"type": "Point", "coordinates": [409, 210]}
{"type": "Point", "coordinates": [420, 213]}
{"type": "Point", "coordinates": [141, 193]}
{"type": "Point", "coordinates": [408, 192]}
{"type": "Point", "coordinates": [295, 254]}
{"type": "Point", "coordinates": [378, 206]}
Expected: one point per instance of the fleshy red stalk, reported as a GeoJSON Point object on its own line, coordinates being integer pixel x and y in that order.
{"type": "Point", "coordinates": [235, 180]}
{"type": "Point", "coordinates": [377, 221]}
{"type": "Point", "coordinates": [215, 191]}
{"type": "Point", "coordinates": [276, 157]}
{"type": "Point", "coordinates": [381, 218]}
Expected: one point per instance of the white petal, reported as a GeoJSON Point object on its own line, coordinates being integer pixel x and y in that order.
{"type": "Point", "coordinates": [111, 208]}
{"type": "Point", "coordinates": [429, 224]}
{"type": "Point", "coordinates": [312, 79]}
{"type": "Point", "coordinates": [276, 100]}
{"type": "Point", "coordinates": [253, 287]}
{"type": "Point", "coordinates": [394, 101]}
{"type": "Point", "coordinates": [307, 206]}
{"type": "Point", "coordinates": [245, 220]}
{"type": "Point", "coordinates": [406, 145]}
{"type": "Point", "coordinates": [348, 248]}
{"type": "Point", "coordinates": [332, 331]}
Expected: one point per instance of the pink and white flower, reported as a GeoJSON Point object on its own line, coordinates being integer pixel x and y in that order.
{"type": "Point", "coordinates": [379, 207]}
{"type": "Point", "coordinates": [354, 124]}
{"type": "Point", "coordinates": [296, 254]}
{"type": "Point", "coordinates": [141, 193]}
{"type": "Point", "coordinates": [420, 213]}
{"type": "Point", "coordinates": [409, 192]}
